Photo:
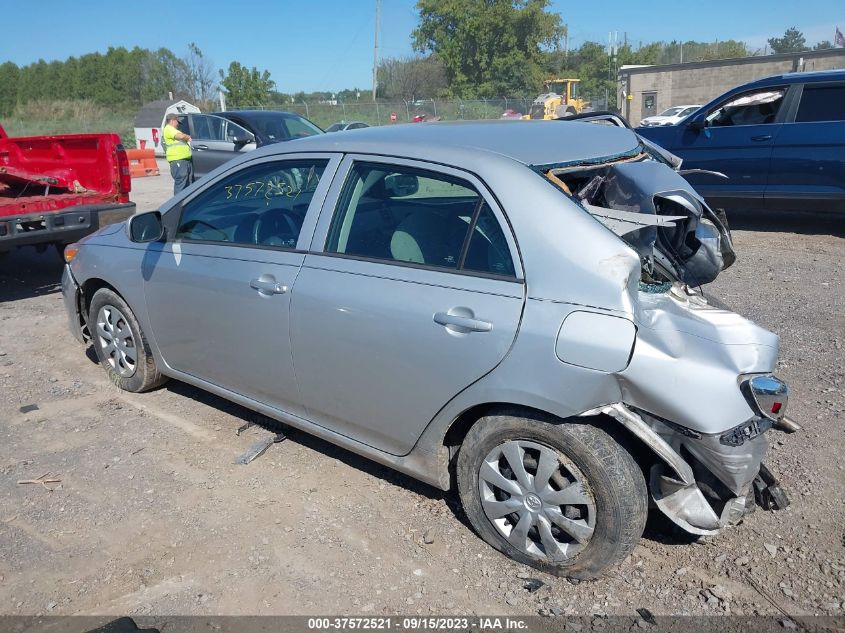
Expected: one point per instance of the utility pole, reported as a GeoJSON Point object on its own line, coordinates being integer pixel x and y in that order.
{"type": "Point", "coordinates": [375, 49]}
{"type": "Point", "coordinates": [566, 46]}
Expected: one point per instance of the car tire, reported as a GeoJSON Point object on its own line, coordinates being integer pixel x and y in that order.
{"type": "Point", "coordinates": [120, 344]}
{"type": "Point", "coordinates": [603, 495]}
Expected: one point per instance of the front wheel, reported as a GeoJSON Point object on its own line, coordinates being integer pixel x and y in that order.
{"type": "Point", "coordinates": [559, 495]}
{"type": "Point", "coordinates": [120, 344]}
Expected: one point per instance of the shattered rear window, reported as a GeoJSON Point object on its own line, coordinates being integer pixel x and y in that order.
{"type": "Point", "coordinates": [655, 211]}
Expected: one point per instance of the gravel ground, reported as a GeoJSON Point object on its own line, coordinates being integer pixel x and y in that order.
{"type": "Point", "coordinates": [151, 516]}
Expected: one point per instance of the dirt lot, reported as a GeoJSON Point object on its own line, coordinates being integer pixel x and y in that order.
{"type": "Point", "coordinates": [152, 517]}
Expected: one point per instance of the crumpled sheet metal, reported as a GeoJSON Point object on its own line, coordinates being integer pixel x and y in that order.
{"type": "Point", "coordinates": [696, 355]}
{"type": "Point", "coordinates": [676, 494]}
{"type": "Point", "coordinates": [686, 506]}
{"type": "Point", "coordinates": [648, 189]}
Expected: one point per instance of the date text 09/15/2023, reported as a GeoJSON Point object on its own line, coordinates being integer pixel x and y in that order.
{"type": "Point", "coordinates": [418, 623]}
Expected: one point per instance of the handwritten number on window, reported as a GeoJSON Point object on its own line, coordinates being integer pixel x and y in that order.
{"type": "Point", "coordinates": [272, 188]}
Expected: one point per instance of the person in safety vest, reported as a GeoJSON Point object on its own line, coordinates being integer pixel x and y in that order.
{"type": "Point", "coordinates": [178, 153]}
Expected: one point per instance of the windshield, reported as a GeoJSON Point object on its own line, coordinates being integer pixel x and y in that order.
{"type": "Point", "coordinates": [670, 112]}
{"type": "Point", "coordinates": [688, 111]}
{"type": "Point", "coordinates": [299, 127]}
{"type": "Point", "coordinates": [335, 127]}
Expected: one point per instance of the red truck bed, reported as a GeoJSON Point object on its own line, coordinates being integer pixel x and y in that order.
{"type": "Point", "coordinates": [57, 189]}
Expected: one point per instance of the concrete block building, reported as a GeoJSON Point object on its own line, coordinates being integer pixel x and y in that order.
{"type": "Point", "coordinates": [648, 90]}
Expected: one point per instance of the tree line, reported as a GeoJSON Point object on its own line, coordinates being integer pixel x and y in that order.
{"type": "Point", "coordinates": [125, 79]}
{"type": "Point", "coordinates": [464, 49]}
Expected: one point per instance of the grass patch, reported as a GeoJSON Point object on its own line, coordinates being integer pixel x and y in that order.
{"type": "Point", "coordinates": [39, 118]}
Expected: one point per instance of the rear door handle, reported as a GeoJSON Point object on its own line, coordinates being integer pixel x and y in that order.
{"type": "Point", "coordinates": [200, 146]}
{"type": "Point", "coordinates": [462, 324]}
{"type": "Point", "coordinates": [762, 137]}
{"type": "Point", "coordinates": [265, 286]}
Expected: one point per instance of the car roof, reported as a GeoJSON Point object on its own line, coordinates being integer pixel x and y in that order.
{"type": "Point", "coordinates": [259, 114]}
{"type": "Point", "coordinates": [809, 76]}
{"type": "Point", "coordinates": [533, 143]}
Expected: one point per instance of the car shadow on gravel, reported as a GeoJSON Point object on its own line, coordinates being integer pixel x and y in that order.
{"type": "Point", "coordinates": [24, 274]}
{"type": "Point", "coordinates": [660, 529]}
{"type": "Point", "coordinates": [303, 438]}
{"type": "Point", "coordinates": [801, 222]}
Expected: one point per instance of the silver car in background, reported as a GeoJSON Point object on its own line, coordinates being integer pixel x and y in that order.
{"type": "Point", "coordinates": [507, 308]}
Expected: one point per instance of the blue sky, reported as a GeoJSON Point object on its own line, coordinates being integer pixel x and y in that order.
{"type": "Point", "coordinates": [328, 45]}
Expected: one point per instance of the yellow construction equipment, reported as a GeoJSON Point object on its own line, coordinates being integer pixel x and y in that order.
{"type": "Point", "coordinates": [558, 101]}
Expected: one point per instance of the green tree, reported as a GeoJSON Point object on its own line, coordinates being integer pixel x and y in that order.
{"type": "Point", "coordinates": [792, 42]}
{"type": "Point", "coordinates": [164, 73]}
{"type": "Point", "coordinates": [119, 78]}
{"type": "Point", "coordinates": [200, 75]}
{"type": "Point", "coordinates": [730, 49]}
{"type": "Point", "coordinates": [246, 86]}
{"type": "Point", "coordinates": [411, 78]}
{"type": "Point", "coordinates": [823, 45]}
{"type": "Point", "coordinates": [9, 77]}
{"type": "Point", "coordinates": [488, 47]}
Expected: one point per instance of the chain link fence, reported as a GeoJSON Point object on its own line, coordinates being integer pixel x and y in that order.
{"type": "Point", "coordinates": [385, 112]}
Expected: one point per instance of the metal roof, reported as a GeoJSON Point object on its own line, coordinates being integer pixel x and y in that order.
{"type": "Point", "coordinates": [152, 114]}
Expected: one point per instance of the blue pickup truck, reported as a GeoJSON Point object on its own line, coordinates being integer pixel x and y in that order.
{"type": "Point", "coordinates": [780, 141]}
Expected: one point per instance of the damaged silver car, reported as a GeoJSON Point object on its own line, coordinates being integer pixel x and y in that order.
{"type": "Point", "coordinates": [510, 309]}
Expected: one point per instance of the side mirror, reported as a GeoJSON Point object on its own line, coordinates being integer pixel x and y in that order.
{"type": "Point", "coordinates": [242, 140]}
{"type": "Point", "coordinates": [401, 185]}
{"type": "Point", "coordinates": [696, 123]}
{"type": "Point", "coordinates": [145, 227]}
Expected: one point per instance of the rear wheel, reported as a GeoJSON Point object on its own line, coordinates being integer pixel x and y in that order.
{"type": "Point", "coordinates": [559, 495]}
{"type": "Point", "coordinates": [120, 344]}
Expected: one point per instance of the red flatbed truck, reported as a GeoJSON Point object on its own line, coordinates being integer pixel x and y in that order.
{"type": "Point", "coordinates": [58, 189]}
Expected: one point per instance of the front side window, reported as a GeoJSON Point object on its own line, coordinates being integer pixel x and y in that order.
{"type": "Point", "coordinates": [232, 131]}
{"type": "Point", "coordinates": [821, 103]}
{"type": "Point", "coordinates": [261, 205]}
{"type": "Point", "coordinates": [207, 128]}
{"type": "Point", "coordinates": [414, 216]}
{"type": "Point", "coordinates": [752, 108]}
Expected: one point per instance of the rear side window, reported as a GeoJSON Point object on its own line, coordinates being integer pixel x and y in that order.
{"type": "Point", "coordinates": [261, 205]}
{"type": "Point", "coordinates": [414, 216]}
{"type": "Point", "coordinates": [821, 103]}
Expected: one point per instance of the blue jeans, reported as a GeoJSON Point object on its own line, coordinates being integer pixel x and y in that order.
{"type": "Point", "coordinates": [183, 174]}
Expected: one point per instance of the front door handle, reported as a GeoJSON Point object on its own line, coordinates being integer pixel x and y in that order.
{"type": "Point", "coordinates": [462, 324]}
{"type": "Point", "coordinates": [762, 137]}
{"type": "Point", "coordinates": [200, 146]}
{"type": "Point", "coordinates": [268, 287]}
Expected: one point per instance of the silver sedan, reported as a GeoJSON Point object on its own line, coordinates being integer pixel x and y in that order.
{"type": "Point", "coordinates": [511, 309]}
